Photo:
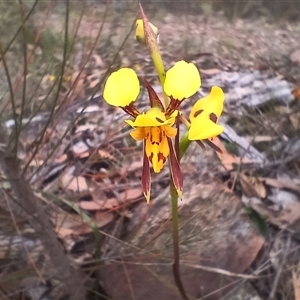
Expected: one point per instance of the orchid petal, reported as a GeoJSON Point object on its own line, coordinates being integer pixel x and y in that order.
{"type": "Point", "coordinates": [213, 103]}
{"type": "Point", "coordinates": [122, 88]}
{"type": "Point", "coordinates": [152, 118]}
{"type": "Point", "coordinates": [182, 80]}
{"type": "Point", "coordinates": [202, 127]}
{"type": "Point", "coordinates": [138, 134]}
{"type": "Point", "coordinates": [157, 148]}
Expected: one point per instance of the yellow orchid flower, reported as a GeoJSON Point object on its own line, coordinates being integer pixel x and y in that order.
{"type": "Point", "coordinates": [155, 126]}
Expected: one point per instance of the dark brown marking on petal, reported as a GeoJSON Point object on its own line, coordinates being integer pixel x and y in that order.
{"type": "Point", "coordinates": [152, 140]}
{"type": "Point", "coordinates": [161, 157]}
{"type": "Point", "coordinates": [159, 120]}
{"type": "Point", "coordinates": [198, 112]}
{"type": "Point", "coordinates": [213, 117]}
{"type": "Point", "coordinates": [151, 157]}
{"type": "Point", "coordinates": [160, 136]}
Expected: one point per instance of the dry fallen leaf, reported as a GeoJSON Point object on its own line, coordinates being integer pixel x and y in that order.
{"type": "Point", "coordinates": [295, 57]}
{"type": "Point", "coordinates": [67, 225]}
{"type": "Point", "coordinates": [71, 183]}
{"type": "Point", "coordinates": [228, 160]}
{"type": "Point", "coordinates": [252, 186]}
{"type": "Point", "coordinates": [210, 71]}
{"type": "Point", "coordinates": [296, 93]}
{"type": "Point", "coordinates": [296, 285]}
{"type": "Point", "coordinates": [65, 220]}
{"type": "Point", "coordinates": [103, 218]}
{"type": "Point", "coordinates": [99, 204]}
{"type": "Point", "coordinates": [127, 196]}
{"type": "Point", "coordinates": [282, 209]}
{"type": "Point", "coordinates": [131, 194]}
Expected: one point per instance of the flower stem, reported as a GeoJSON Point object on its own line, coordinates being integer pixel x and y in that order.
{"type": "Point", "coordinates": [160, 69]}
{"type": "Point", "coordinates": [176, 264]}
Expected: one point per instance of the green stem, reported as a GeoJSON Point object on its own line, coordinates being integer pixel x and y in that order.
{"type": "Point", "coordinates": [183, 145]}
{"type": "Point", "coordinates": [176, 264]}
{"type": "Point", "coordinates": [160, 69]}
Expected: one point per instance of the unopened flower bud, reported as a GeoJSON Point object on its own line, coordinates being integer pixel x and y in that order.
{"type": "Point", "coordinates": [140, 33]}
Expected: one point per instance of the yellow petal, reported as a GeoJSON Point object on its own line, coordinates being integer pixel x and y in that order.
{"type": "Point", "coordinates": [138, 134]}
{"type": "Point", "coordinates": [170, 131]}
{"type": "Point", "coordinates": [213, 103]}
{"type": "Point", "coordinates": [203, 128]}
{"type": "Point", "coordinates": [152, 118]}
{"type": "Point", "coordinates": [157, 147]}
{"type": "Point", "coordinates": [140, 33]}
{"type": "Point", "coordinates": [122, 87]}
{"type": "Point", "coordinates": [182, 80]}
{"type": "Point", "coordinates": [172, 118]}
{"type": "Point", "coordinates": [130, 123]}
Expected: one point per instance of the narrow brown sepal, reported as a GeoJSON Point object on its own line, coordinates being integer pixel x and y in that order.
{"type": "Point", "coordinates": [200, 143]}
{"type": "Point", "coordinates": [175, 170]}
{"type": "Point", "coordinates": [173, 105]}
{"type": "Point", "coordinates": [213, 146]}
{"type": "Point", "coordinates": [146, 176]}
{"type": "Point", "coordinates": [131, 110]}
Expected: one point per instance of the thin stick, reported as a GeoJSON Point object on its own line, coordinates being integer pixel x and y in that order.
{"type": "Point", "coordinates": [279, 271]}
{"type": "Point", "coordinates": [176, 264]}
